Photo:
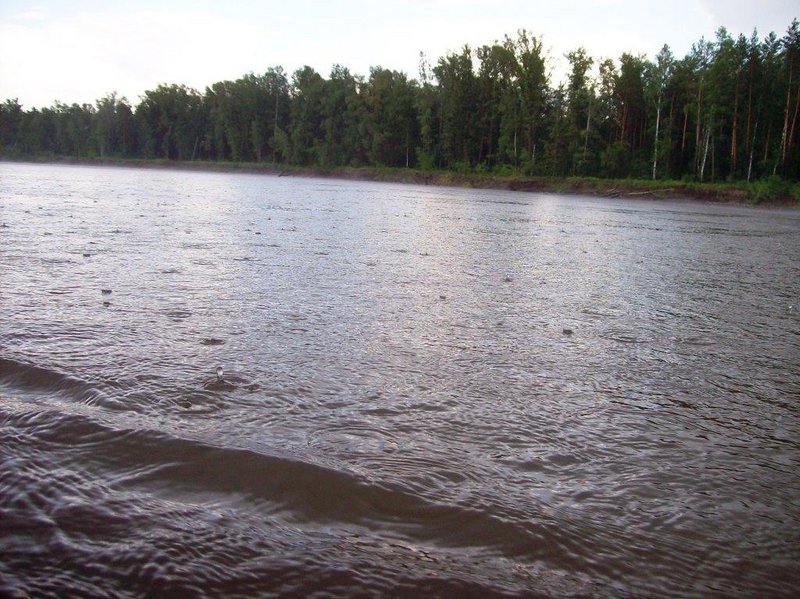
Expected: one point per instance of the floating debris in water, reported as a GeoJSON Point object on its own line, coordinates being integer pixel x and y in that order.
{"type": "Point", "coordinates": [87, 255]}
{"type": "Point", "coordinates": [212, 341]}
{"type": "Point", "coordinates": [220, 372]}
{"type": "Point", "coordinates": [442, 297]}
{"type": "Point", "coordinates": [106, 304]}
{"type": "Point", "coordinates": [792, 309]}
{"type": "Point", "coordinates": [105, 291]}
{"type": "Point", "coordinates": [508, 279]}
{"type": "Point", "coordinates": [567, 331]}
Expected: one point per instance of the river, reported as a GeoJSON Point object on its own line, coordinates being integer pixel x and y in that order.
{"type": "Point", "coordinates": [241, 385]}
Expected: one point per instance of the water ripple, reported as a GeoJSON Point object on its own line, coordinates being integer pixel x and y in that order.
{"type": "Point", "coordinates": [401, 410]}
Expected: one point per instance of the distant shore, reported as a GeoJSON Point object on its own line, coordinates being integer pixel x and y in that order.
{"type": "Point", "coordinates": [768, 194]}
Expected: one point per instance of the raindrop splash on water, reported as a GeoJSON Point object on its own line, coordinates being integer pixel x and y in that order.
{"type": "Point", "coordinates": [473, 438]}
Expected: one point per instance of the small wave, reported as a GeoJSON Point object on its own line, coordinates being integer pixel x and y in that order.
{"type": "Point", "coordinates": [28, 377]}
{"type": "Point", "coordinates": [623, 337]}
{"type": "Point", "coordinates": [177, 315]}
{"type": "Point", "coordinates": [299, 491]}
{"type": "Point", "coordinates": [693, 340]}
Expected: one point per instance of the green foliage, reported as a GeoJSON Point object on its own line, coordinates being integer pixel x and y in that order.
{"type": "Point", "coordinates": [772, 188]}
{"type": "Point", "coordinates": [461, 166]}
{"type": "Point", "coordinates": [459, 107]}
{"type": "Point", "coordinates": [425, 161]}
{"type": "Point", "coordinates": [505, 170]}
{"type": "Point", "coordinates": [306, 117]}
{"type": "Point", "coordinates": [616, 160]}
{"type": "Point", "coordinates": [171, 122]}
{"type": "Point", "coordinates": [11, 117]}
{"type": "Point", "coordinates": [280, 145]}
{"type": "Point", "coordinates": [391, 119]}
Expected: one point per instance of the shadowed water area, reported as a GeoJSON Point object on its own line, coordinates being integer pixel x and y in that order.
{"type": "Point", "coordinates": [423, 391]}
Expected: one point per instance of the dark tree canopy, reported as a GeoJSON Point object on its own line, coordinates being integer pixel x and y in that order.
{"type": "Point", "coordinates": [728, 110]}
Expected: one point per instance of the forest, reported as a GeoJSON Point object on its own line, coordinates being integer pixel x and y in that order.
{"type": "Point", "coordinates": [727, 111]}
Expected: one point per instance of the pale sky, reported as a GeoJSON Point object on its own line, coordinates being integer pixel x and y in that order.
{"type": "Point", "coordinates": [80, 50]}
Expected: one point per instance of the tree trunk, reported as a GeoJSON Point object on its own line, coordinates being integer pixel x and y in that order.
{"type": "Point", "coordinates": [749, 147]}
{"type": "Point", "coordinates": [698, 140]}
{"type": "Point", "coordinates": [766, 146]}
{"type": "Point", "coordinates": [786, 115]}
{"type": "Point", "coordinates": [713, 159]}
{"type": "Point", "coordinates": [655, 141]}
{"type": "Point", "coordinates": [790, 142]}
{"type": "Point", "coordinates": [705, 154]}
{"type": "Point", "coordinates": [668, 133]}
{"type": "Point", "coordinates": [752, 151]}
{"type": "Point", "coordinates": [515, 147]}
{"type": "Point", "coordinates": [734, 125]}
{"type": "Point", "coordinates": [275, 130]}
{"type": "Point", "coordinates": [586, 137]}
{"type": "Point", "coordinates": [683, 136]}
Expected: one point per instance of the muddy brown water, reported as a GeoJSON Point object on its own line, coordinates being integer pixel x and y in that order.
{"type": "Point", "coordinates": [424, 392]}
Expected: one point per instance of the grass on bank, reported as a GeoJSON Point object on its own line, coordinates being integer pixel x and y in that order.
{"type": "Point", "coordinates": [769, 191]}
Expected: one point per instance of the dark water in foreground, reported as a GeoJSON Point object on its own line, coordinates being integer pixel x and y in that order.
{"type": "Point", "coordinates": [401, 411]}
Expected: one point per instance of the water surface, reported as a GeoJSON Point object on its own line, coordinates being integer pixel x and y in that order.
{"type": "Point", "coordinates": [425, 391]}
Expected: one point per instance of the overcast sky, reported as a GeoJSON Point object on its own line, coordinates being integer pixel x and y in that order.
{"type": "Point", "coordinates": [79, 50]}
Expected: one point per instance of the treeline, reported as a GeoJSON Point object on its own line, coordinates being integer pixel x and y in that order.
{"type": "Point", "coordinates": [728, 110]}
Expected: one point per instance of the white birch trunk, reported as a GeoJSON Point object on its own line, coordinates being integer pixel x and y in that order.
{"type": "Point", "coordinates": [655, 141]}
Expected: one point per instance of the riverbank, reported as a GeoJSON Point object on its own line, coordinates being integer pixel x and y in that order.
{"type": "Point", "coordinates": [774, 192]}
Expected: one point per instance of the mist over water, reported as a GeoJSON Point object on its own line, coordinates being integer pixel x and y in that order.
{"type": "Point", "coordinates": [234, 385]}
